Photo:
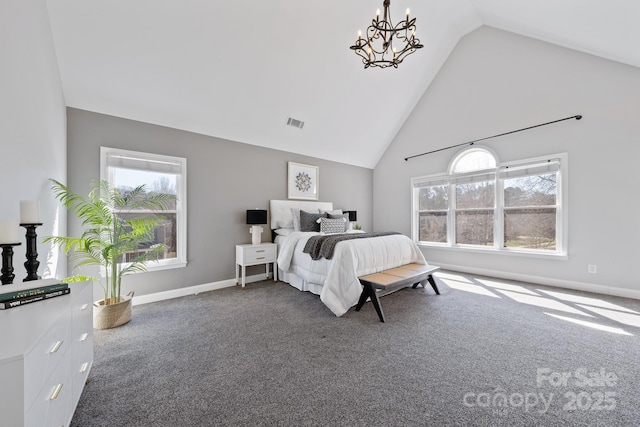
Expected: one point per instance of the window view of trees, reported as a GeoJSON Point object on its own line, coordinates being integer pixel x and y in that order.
{"type": "Point", "coordinates": [475, 204]}
{"type": "Point", "coordinates": [463, 207]}
{"type": "Point", "coordinates": [433, 203]}
{"type": "Point", "coordinates": [530, 212]}
{"type": "Point", "coordinates": [165, 233]}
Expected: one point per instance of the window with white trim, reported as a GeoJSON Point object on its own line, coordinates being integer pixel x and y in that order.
{"type": "Point", "coordinates": [125, 170]}
{"type": "Point", "coordinates": [481, 204]}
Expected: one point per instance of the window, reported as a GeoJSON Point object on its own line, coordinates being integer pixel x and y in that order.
{"type": "Point", "coordinates": [433, 202]}
{"type": "Point", "coordinates": [480, 204]}
{"type": "Point", "coordinates": [531, 206]}
{"type": "Point", "coordinates": [126, 170]}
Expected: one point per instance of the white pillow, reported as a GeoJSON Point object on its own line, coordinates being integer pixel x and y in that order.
{"type": "Point", "coordinates": [285, 224]}
{"type": "Point", "coordinates": [295, 212]}
{"type": "Point", "coordinates": [283, 231]}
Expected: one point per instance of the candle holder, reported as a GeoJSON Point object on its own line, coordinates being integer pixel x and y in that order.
{"type": "Point", "coordinates": [7, 263]}
{"type": "Point", "coordinates": [32, 263]}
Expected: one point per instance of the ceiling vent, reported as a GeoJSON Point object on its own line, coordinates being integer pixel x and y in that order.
{"type": "Point", "coordinates": [295, 123]}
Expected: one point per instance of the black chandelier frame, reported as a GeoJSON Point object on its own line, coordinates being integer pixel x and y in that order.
{"type": "Point", "coordinates": [378, 48]}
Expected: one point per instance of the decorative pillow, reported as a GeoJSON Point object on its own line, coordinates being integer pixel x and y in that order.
{"type": "Point", "coordinates": [283, 231]}
{"type": "Point", "coordinates": [343, 217]}
{"type": "Point", "coordinates": [295, 213]}
{"type": "Point", "coordinates": [308, 221]}
{"type": "Point", "coordinates": [328, 225]}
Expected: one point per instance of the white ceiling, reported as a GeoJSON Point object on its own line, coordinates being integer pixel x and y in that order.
{"type": "Point", "coordinates": [237, 69]}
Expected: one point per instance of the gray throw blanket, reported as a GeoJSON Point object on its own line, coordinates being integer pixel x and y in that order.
{"type": "Point", "coordinates": [323, 246]}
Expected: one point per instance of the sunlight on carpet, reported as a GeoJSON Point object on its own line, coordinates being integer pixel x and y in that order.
{"type": "Point", "coordinates": [596, 302]}
{"type": "Point", "coordinates": [542, 302]}
{"type": "Point", "coordinates": [591, 325]}
{"type": "Point", "coordinates": [624, 318]}
{"type": "Point", "coordinates": [468, 287]}
{"type": "Point", "coordinates": [506, 286]}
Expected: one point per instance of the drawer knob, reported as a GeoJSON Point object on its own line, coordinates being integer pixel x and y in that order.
{"type": "Point", "coordinates": [84, 367]}
{"type": "Point", "coordinates": [56, 347]}
{"type": "Point", "coordinates": [84, 337]}
{"type": "Point", "coordinates": [56, 392]}
{"type": "Point", "coordinates": [84, 307]}
{"type": "Point", "coordinates": [260, 257]}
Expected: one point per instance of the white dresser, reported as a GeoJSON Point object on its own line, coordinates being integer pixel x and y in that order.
{"type": "Point", "coordinates": [46, 353]}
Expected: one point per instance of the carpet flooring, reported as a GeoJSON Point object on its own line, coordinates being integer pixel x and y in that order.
{"type": "Point", "coordinates": [485, 352]}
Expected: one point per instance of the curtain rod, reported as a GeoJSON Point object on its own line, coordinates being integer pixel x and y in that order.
{"type": "Point", "coordinates": [577, 117]}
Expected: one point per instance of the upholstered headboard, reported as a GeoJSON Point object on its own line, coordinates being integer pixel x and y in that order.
{"type": "Point", "coordinates": [280, 210]}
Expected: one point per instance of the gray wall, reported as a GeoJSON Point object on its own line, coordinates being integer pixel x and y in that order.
{"type": "Point", "coordinates": [224, 179]}
{"type": "Point", "coordinates": [495, 82]}
{"type": "Point", "coordinates": [32, 126]}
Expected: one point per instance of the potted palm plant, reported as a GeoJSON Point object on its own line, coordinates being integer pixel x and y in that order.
{"type": "Point", "coordinates": [109, 236]}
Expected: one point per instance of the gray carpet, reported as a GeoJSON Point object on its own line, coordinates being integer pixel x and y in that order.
{"type": "Point", "coordinates": [272, 355]}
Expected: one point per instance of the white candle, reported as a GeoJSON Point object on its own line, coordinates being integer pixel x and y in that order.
{"type": "Point", "coordinates": [29, 212]}
{"type": "Point", "coordinates": [9, 230]}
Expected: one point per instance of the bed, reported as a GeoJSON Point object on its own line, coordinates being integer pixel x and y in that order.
{"type": "Point", "coordinates": [335, 280]}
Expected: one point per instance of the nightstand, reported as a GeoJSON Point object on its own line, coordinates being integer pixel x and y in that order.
{"type": "Point", "coordinates": [264, 253]}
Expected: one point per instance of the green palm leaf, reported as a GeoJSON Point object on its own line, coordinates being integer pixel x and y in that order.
{"type": "Point", "coordinates": [108, 235]}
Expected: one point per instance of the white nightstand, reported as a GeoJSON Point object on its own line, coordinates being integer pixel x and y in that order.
{"type": "Point", "coordinates": [264, 253]}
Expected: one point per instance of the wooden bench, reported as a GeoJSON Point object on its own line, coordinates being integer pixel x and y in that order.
{"type": "Point", "coordinates": [393, 279]}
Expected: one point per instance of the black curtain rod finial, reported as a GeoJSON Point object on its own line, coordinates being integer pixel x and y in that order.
{"type": "Point", "coordinates": [578, 117]}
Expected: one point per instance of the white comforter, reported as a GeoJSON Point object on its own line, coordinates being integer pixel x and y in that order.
{"type": "Point", "coordinates": [352, 258]}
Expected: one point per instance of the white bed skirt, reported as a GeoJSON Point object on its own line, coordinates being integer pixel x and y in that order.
{"type": "Point", "coordinates": [299, 283]}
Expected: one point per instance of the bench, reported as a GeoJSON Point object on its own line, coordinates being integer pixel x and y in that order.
{"type": "Point", "coordinates": [392, 280]}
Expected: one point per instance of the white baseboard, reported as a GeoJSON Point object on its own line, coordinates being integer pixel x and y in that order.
{"type": "Point", "coordinates": [539, 280]}
{"type": "Point", "coordinates": [194, 290]}
{"type": "Point", "coordinates": [548, 281]}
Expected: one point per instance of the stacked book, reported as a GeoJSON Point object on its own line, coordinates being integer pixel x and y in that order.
{"type": "Point", "coordinates": [28, 292]}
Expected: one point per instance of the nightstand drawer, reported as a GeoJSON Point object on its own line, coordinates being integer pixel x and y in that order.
{"type": "Point", "coordinates": [255, 254]}
{"type": "Point", "coordinates": [259, 254]}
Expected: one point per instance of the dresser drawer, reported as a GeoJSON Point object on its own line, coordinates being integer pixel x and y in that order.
{"type": "Point", "coordinates": [82, 316]}
{"type": "Point", "coordinates": [81, 362]}
{"type": "Point", "coordinates": [52, 403]}
{"type": "Point", "coordinates": [42, 360]}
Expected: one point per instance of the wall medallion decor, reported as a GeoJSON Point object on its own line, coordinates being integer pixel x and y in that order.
{"type": "Point", "coordinates": [303, 181]}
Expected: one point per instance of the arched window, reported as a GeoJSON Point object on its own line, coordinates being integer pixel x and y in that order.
{"type": "Point", "coordinates": [473, 183]}
{"type": "Point", "coordinates": [473, 159]}
{"type": "Point", "coordinates": [482, 204]}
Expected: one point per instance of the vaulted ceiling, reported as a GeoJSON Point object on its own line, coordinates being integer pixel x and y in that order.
{"type": "Point", "coordinates": [238, 69]}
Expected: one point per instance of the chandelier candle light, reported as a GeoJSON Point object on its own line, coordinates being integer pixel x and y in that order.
{"type": "Point", "coordinates": [386, 45]}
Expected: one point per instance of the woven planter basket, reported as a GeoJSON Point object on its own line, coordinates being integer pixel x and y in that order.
{"type": "Point", "coordinates": [112, 315]}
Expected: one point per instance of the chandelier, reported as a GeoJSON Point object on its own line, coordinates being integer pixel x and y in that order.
{"type": "Point", "coordinates": [386, 45]}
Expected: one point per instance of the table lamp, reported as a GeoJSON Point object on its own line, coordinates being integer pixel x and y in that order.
{"type": "Point", "coordinates": [255, 217]}
{"type": "Point", "coordinates": [353, 217]}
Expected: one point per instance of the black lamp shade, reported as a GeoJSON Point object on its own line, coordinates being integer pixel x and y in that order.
{"type": "Point", "coordinates": [353, 215]}
{"type": "Point", "coordinates": [256, 216]}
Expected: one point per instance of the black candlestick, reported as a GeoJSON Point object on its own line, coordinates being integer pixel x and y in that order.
{"type": "Point", "coordinates": [32, 263]}
{"type": "Point", "coordinates": [7, 263]}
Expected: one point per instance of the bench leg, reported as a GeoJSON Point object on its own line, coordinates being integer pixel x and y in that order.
{"type": "Point", "coordinates": [369, 292]}
{"type": "Point", "coordinates": [431, 281]}
{"type": "Point", "coordinates": [363, 296]}
{"type": "Point", "coordinates": [433, 284]}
